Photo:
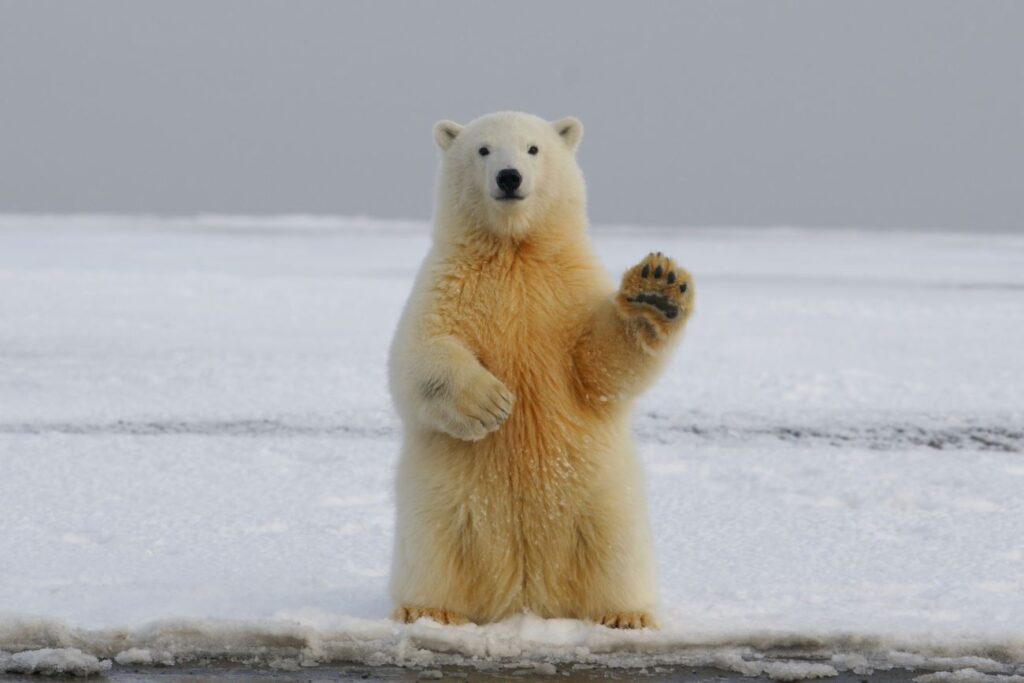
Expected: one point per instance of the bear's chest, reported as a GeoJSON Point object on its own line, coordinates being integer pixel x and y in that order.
{"type": "Point", "coordinates": [517, 319]}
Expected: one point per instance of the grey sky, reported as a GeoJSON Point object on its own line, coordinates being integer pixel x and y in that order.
{"type": "Point", "coordinates": [808, 113]}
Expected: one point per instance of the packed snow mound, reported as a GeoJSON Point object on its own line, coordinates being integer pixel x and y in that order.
{"type": "Point", "coordinates": [312, 639]}
{"type": "Point", "coordinates": [52, 662]}
{"type": "Point", "coordinates": [967, 675]}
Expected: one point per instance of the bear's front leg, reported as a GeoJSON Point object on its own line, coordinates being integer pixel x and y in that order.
{"type": "Point", "coordinates": [455, 394]}
{"type": "Point", "coordinates": [626, 337]}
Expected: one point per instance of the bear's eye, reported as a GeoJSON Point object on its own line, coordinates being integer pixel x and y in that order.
{"type": "Point", "coordinates": [533, 149]}
{"type": "Point", "coordinates": [484, 151]}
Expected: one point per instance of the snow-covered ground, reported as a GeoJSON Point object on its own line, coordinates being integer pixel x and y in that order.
{"type": "Point", "coordinates": [197, 445]}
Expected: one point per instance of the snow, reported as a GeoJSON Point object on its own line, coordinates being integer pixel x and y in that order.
{"type": "Point", "coordinates": [966, 676]}
{"type": "Point", "coordinates": [197, 445]}
{"type": "Point", "coordinates": [52, 662]}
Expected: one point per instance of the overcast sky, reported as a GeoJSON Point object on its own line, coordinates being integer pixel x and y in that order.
{"type": "Point", "coordinates": [695, 113]}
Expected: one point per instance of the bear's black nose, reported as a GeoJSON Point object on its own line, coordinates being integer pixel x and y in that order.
{"type": "Point", "coordinates": [509, 180]}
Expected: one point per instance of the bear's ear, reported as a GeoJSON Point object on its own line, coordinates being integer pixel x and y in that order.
{"type": "Point", "coordinates": [445, 133]}
{"type": "Point", "coordinates": [570, 130]}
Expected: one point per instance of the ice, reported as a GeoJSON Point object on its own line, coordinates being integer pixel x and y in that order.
{"type": "Point", "coordinates": [197, 446]}
{"type": "Point", "coordinates": [792, 671]}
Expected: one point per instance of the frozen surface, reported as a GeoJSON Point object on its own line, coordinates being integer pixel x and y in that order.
{"type": "Point", "coordinates": [196, 450]}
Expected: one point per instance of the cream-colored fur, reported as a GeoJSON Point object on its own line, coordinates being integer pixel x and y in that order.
{"type": "Point", "coordinates": [513, 369]}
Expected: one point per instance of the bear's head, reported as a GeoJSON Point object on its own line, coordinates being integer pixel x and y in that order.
{"type": "Point", "coordinates": [510, 173]}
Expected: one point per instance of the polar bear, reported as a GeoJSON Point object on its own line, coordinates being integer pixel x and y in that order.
{"type": "Point", "coordinates": [513, 369]}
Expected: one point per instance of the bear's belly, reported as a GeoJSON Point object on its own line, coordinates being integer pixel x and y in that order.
{"type": "Point", "coordinates": [525, 511]}
{"type": "Point", "coordinates": [540, 456]}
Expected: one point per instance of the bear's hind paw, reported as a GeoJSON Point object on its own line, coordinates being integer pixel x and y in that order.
{"type": "Point", "coordinates": [627, 620]}
{"type": "Point", "coordinates": [409, 615]}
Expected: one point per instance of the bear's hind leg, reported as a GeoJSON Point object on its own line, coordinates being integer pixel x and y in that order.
{"type": "Point", "coordinates": [614, 562]}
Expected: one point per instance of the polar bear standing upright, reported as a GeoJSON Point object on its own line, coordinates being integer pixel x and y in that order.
{"type": "Point", "coordinates": [514, 368]}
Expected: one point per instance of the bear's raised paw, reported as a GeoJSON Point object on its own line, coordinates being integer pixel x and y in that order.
{"type": "Point", "coordinates": [657, 289]}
